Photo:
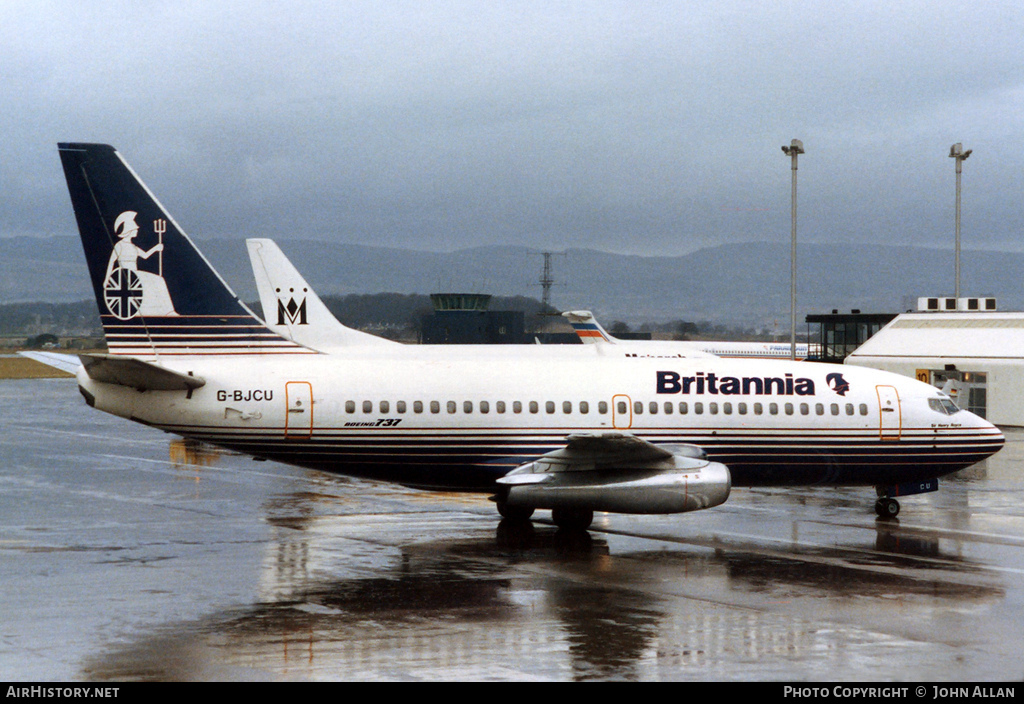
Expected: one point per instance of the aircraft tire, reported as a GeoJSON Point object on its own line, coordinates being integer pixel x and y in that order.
{"type": "Point", "coordinates": [887, 508]}
{"type": "Point", "coordinates": [572, 518]}
{"type": "Point", "coordinates": [514, 513]}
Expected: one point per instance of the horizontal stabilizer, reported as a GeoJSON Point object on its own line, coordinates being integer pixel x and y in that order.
{"type": "Point", "coordinates": [137, 374]}
{"type": "Point", "coordinates": [65, 362]}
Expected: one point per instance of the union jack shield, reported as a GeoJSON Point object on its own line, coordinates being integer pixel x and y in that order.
{"type": "Point", "coordinates": [122, 292]}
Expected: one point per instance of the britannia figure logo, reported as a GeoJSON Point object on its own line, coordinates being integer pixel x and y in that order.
{"type": "Point", "coordinates": [127, 290]}
{"type": "Point", "coordinates": [837, 383]}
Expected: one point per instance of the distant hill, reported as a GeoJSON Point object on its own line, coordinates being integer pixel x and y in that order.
{"type": "Point", "coordinates": [745, 284]}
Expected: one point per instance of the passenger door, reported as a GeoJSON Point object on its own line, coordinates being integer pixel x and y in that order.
{"type": "Point", "coordinates": [890, 422]}
{"type": "Point", "coordinates": [298, 421]}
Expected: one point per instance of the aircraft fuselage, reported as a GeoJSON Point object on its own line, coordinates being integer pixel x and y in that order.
{"type": "Point", "coordinates": [446, 418]}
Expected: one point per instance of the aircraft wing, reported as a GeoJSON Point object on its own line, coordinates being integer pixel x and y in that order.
{"type": "Point", "coordinates": [615, 471]}
{"type": "Point", "coordinates": [137, 374]}
{"type": "Point", "coordinates": [65, 362]}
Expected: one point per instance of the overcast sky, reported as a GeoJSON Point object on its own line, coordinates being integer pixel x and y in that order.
{"type": "Point", "coordinates": [642, 128]}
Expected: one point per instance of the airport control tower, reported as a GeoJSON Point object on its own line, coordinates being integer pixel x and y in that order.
{"type": "Point", "coordinates": [464, 319]}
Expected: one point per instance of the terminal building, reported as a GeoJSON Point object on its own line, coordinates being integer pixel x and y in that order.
{"type": "Point", "coordinates": [965, 346]}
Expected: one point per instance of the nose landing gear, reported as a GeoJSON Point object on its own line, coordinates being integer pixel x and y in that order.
{"type": "Point", "coordinates": [887, 507]}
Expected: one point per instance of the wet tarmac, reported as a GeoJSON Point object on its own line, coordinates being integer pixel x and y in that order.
{"type": "Point", "coordinates": [126, 554]}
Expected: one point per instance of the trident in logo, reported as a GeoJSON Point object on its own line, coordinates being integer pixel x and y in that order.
{"type": "Point", "coordinates": [160, 227]}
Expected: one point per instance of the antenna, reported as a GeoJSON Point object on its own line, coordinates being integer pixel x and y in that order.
{"type": "Point", "coordinates": [547, 278]}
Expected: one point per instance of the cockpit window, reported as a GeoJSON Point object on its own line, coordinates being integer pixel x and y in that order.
{"type": "Point", "coordinates": [943, 405]}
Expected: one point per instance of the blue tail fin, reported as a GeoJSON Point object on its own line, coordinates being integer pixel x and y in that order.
{"type": "Point", "coordinates": [156, 292]}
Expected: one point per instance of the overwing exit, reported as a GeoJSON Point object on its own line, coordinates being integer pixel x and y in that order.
{"type": "Point", "coordinates": [568, 428]}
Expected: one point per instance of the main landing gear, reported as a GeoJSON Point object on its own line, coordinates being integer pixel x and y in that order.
{"type": "Point", "coordinates": [567, 518]}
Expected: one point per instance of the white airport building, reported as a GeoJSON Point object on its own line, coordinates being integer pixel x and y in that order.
{"type": "Point", "coordinates": [967, 347]}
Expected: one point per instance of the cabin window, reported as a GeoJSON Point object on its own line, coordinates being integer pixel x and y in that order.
{"type": "Point", "coordinates": [534, 407]}
{"type": "Point", "coordinates": [417, 406]}
{"type": "Point", "coordinates": [467, 406]}
{"type": "Point", "coordinates": [742, 408]}
{"type": "Point", "coordinates": [653, 407]}
{"type": "Point", "coordinates": [819, 408]}
{"type": "Point", "coordinates": [350, 406]}
{"type": "Point", "coordinates": [713, 408]}
{"type": "Point", "coordinates": [804, 409]}
{"type": "Point", "coordinates": [385, 406]}
{"type": "Point", "coordinates": [727, 408]}
{"type": "Point", "coordinates": [698, 407]}
{"type": "Point", "coordinates": [789, 409]}
{"type": "Point", "coordinates": [452, 406]}
{"type": "Point", "coordinates": [549, 406]}
{"type": "Point", "coordinates": [638, 407]}
{"type": "Point", "coordinates": [400, 406]}
{"type": "Point", "coordinates": [669, 407]}
{"type": "Point", "coordinates": [758, 409]}
{"type": "Point", "coordinates": [435, 406]}
{"type": "Point", "coordinates": [773, 408]}
{"type": "Point", "coordinates": [367, 406]}
{"type": "Point", "coordinates": [485, 407]}
{"type": "Point", "coordinates": [584, 407]}
{"type": "Point", "coordinates": [834, 408]}
{"type": "Point", "coordinates": [517, 406]}
{"type": "Point", "coordinates": [849, 409]}
{"type": "Point", "coordinates": [863, 409]}
{"type": "Point", "coordinates": [602, 407]}
{"type": "Point", "coordinates": [566, 407]}
{"type": "Point", "coordinates": [499, 407]}
{"type": "Point", "coordinates": [684, 408]}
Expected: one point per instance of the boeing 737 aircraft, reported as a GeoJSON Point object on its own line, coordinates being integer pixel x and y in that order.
{"type": "Point", "coordinates": [569, 428]}
{"type": "Point", "coordinates": [591, 332]}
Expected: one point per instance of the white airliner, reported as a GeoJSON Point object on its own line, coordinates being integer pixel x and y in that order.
{"type": "Point", "coordinates": [571, 428]}
{"type": "Point", "coordinates": [591, 332]}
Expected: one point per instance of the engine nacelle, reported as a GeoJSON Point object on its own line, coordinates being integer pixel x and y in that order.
{"type": "Point", "coordinates": [676, 484]}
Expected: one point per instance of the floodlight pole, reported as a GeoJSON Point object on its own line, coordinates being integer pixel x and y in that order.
{"type": "Point", "coordinates": [957, 152]}
{"type": "Point", "coordinates": [795, 148]}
